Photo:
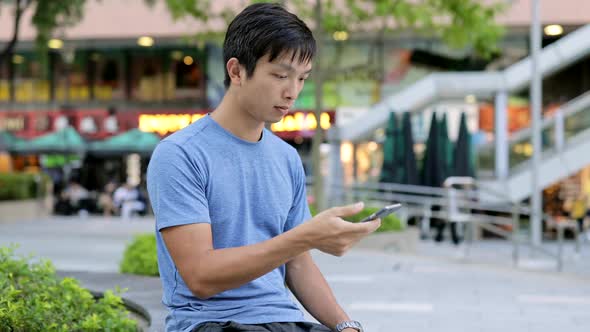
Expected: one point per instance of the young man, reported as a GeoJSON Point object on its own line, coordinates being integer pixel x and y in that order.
{"type": "Point", "coordinates": [230, 201]}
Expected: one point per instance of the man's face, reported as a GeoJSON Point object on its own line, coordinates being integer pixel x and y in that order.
{"type": "Point", "coordinates": [271, 91]}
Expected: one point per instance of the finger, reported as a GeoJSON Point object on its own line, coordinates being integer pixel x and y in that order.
{"type": "Point", "coordinates": [371, 226]}
{"type": "Point", "coordinates": [347, 210]}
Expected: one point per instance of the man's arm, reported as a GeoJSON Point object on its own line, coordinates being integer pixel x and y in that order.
{"type": "Point", "coordinates": [308, 284]}
{"type": "Point", "coordinates": [208, 271]}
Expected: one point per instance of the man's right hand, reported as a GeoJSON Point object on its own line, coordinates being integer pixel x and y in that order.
{"type": "Point", "coordinates": [328, 232]}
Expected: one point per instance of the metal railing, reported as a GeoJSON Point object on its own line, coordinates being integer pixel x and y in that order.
{"type": "Point", "coordinates": [461, 205]}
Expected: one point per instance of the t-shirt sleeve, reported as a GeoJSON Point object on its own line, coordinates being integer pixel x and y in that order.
{"type": "Point", "coordinates": [299, 211]}
{"type": "Point", "coordinates": [177, 187]}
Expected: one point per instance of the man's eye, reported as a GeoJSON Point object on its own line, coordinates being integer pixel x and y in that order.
{"type": "Point", "coordinates": [280, 76]}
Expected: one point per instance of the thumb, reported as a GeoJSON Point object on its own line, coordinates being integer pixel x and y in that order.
{"type": "Point", "coordinates": [347, 210]}
{"type": "Point", "coordinates": [372, 225]}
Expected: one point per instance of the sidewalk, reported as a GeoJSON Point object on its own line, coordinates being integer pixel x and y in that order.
{"type": "Point", "coordinates": [429, 290]}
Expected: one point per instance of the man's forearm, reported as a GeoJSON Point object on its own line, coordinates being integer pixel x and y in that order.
{"type": "Point", "coordinates": [222, 269]}
{"type": "Point", "coordinates": [311, 289]}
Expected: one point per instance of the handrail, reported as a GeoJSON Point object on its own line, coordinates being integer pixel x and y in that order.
{"type": "Point", "coordinates": [574, 106]}
{"type": "Point", "coordinates": [418, 201]}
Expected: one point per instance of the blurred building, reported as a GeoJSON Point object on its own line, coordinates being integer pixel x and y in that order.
{"type": "Point", "coordinates": [127, 65]}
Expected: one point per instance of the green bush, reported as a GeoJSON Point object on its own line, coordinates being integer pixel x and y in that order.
{"type": "Point", "coordinates": [390, 223]}
{"type": "Point", "coordinates": [313, 210]}
{"type": "Point", "coordinates": [18, 186]}
{"type": "Point", "coordinates": [33, 298]}
{"type": "Point", "coordinates": [140, 256]}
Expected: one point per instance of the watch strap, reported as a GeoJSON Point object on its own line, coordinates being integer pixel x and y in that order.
{"type": "Point", "coordinates": [349, 324]}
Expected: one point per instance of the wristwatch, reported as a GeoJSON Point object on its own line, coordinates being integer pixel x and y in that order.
{"type": "Point", "coordinates": [349, 324]}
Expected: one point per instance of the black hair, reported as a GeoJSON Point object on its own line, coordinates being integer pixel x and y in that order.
{"type": "Point", "coordinates": [266, 28]}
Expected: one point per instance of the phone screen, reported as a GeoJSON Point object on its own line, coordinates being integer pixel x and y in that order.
{"type": "Point", "coordinates": [389, 209]}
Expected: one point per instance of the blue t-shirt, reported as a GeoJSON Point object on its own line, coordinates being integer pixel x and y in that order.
{"type": "Point", "coordinates": [249, 193]}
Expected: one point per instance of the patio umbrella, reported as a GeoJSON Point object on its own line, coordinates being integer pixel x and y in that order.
{"type": "Point", "coordinates": [3, 144]}
{"type": "Point", "coordinates": [446, 148]}
{"type": "Point", "coordinates": [431, 170]}
{"type": "Point", "coordinates": [407, 156]}
{"type": "Point", "coordinates": [463, 161]}
{"type": "Point", "coordinates": [66, 140]}
{"type": "Point", "coordinates": [8, 141]}
{"type": "Point", "coordinates": [132, 141]}
{"type": "Point", "coordinates": [388, 171]}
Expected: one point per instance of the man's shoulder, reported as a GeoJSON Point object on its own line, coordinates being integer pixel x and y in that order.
{"type": "Point", "coordinates": [190, 132]}
{"type": "Point", "coordinates": [183, 144]}
{"type": "Point", "coordinates": [279, 144]}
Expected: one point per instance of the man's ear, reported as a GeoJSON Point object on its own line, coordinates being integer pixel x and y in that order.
{"type": "Point", "coordinates": [234, 69]}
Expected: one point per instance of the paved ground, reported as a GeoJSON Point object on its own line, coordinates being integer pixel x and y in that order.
{"type": "Point", "coordinates": [429, 290]}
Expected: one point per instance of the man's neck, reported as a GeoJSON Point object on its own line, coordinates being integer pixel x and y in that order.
{"type": "Point", "coordinates": [236, 120]}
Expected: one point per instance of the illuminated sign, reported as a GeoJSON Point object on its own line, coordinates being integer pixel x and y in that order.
{"type": "Point", "coordinates": [166, 123]}
{"type": "Point", "coordinates": [12, 123]}
{"type": "Point", "coordinates": [300, 121]}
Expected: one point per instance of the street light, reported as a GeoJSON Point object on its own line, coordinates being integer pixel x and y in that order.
{"type": "Point", "coordinates": [553, 30]}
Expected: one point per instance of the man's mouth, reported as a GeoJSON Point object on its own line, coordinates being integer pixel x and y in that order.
{"type": "Point", "coordinates": [283, 109]}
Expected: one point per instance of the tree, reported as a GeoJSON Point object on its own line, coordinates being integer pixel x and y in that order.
{"type": "Point", "coordinates": [47, 16]}
{"type": "Point", "coordinates": [50, 15]}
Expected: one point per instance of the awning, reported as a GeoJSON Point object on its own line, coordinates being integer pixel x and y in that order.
{"type": "Point", "coordinates": [132, 141]}
{"type": "Point", "coordinates": [66, 140]}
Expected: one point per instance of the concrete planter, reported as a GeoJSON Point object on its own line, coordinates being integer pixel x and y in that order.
{"type": "Point", "coordinates": [404, 241]}
{"type": "Point", "coordinates": [29, 209]}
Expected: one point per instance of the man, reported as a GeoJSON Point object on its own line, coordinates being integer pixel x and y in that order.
{"type": "Point", "coordinates": [230, 201]}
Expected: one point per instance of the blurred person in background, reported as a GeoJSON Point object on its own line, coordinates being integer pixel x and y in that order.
{"type": "Point", "coordinates": [127, 200]}
{"type": "Point", "coordinates": [106, 200]}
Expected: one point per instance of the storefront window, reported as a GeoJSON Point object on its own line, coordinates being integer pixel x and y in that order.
{"type": "Point", "coordinates": [4, 83]}
{"type": "Point", "coordinates": [106, 73]}
{"type": "Point", "coordinates": [188, 71]}
{"type": "Point", "coordinates": [29, 83]}
{"type": "Point", "coordinates": [167, 76]}
{"type": "Point", "coordinates": [149, 82]}
{"type": "Point", "coordinates": [71, 81]}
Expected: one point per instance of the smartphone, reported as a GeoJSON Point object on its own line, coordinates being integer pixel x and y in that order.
{"type": "Point", "coordinates": [389, 209]}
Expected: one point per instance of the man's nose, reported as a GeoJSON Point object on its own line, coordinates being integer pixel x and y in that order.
{"type": "Point", "coordinates": [291, 92]}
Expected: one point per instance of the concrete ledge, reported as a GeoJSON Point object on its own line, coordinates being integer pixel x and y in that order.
{"type": "Point", "coordinates": [23, 210]}
{"type": "Point", "coordinates": [404, 241]}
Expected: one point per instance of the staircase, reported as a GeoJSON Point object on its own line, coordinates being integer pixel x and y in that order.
{"type": "Point", "coordinates": [444, 86]}
{"type": "Point", "coordinates": [566, 150]}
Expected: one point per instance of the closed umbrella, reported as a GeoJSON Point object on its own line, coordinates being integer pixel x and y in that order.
{"type": "Point", "coordinates": [463, 161]}
{"type": "Point", "coordinates": [446, 148]}
{"type": "Point", "coordinates": [408, 165]}
{"type": "Point", "coordinates": [388, 171]}
{"type": "Point", "coordinates": [431, 170]}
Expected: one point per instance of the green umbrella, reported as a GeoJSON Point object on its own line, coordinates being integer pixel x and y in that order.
{"type": "Point", "coordinates": [446, 148]}
{"type": "Point", "coordinates": [132, 141]}
{"type": "Point", "coordinates": [431, 171]}
{"type": "Point", "coordinates": [406, 156]}
{"type": "Point", "coordinates": [463, 161]}
{"type": "Point", "coordinates": [388, 173]}
{"type": "Point", "coordinates": [7, 141]}
{"type": "Point", "coordinates": [66, 140]}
